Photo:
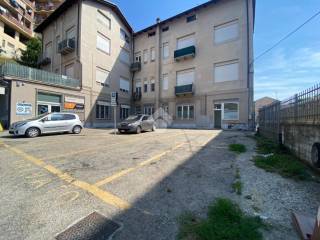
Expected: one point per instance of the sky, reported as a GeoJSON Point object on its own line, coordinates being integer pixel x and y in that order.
{"type": "Point", "coordinates": [290, 68]}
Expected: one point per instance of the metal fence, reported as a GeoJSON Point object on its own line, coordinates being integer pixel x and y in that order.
{"type": "Point", "coordinates": [302, 108]}
{"type": "Point", "coordinates": [8, 69]}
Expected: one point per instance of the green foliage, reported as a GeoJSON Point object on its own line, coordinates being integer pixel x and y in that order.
{"type": "Point", "coordinates": [225, 221]}
{"type": "Point", "coordinates": [237, 187]}
{"type": "Point", "coordinates": [284, 164]}
{"type": "Point", "coordinates": [237, 148]}
{"type": "Point", "coordinates": [29, 57]}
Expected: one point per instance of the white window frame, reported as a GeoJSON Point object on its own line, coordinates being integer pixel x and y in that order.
{"type": "Point", "coordinates": [228, 63]}
{"type": "Point", "coordinates": [224, 26]}
{"type": "Point", "coordinates": [152, 54]}
{"type": "Point", "coordinates": [192, 43]}
{"type": "Point", "coordinates": [127, 61]}
{"type": "Point", "coordinates": [145, 56]}
{"type": "Point", "coordinates": [106, 81]}
{"type": "Point", "coordinates": [165, 84]}
{"type": "Point", "coordinates": [103, 37]}
{"type": "Point", "coordinates": [182, 106]}
{"type": "Point", "coordinates": [122, 79]}
{"type": "Point", "coordinates": [105, 105]}
{"type": "Point", "coordinates": [103, 20]}
{"type": "Point", "coordinates": [185, 71]}
{"type": "Point", "coordinates": [165, 50]}
{"type": "Point", "coordinates": [223, 108]}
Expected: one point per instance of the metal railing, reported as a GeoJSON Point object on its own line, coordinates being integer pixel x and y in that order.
{"type": "Point", "coordinates": [302, 108]}
{"type": "Point", "coordinates": [17, 71]}
{"type": "Point", "coordinates": [184, 89]}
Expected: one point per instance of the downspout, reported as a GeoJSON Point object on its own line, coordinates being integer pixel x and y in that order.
{"type": "Point", "coordinates": [248, 64]}
{"type": "Point", "coordinates": [158, 92]}
{"type": "Point", "coordinates": [78, 41]}
{"type": "Point", "coordinates": [132, 76]}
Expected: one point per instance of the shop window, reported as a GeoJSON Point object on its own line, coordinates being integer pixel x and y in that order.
{"type": "Point", "coordinates": [103, 111]}
{"type": "Point", "coordinates": [185, 112]}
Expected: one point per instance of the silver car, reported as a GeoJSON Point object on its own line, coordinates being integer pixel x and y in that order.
{"type": "Point", "coordinates": [47, 123]}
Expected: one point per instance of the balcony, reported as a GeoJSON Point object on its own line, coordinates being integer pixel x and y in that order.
{"type": "Point", "coordinates": [135, 67]}
{"type": "Point", "coordinates": [7, 18]}
{"type": "Point", "coordinates": [184, 90]}
{"type": "Point", "coordinates": [184, 53]}
{"type": "Point", "coordinates": [137, 96]}
{"type": "Point", "coordinates": [20, 72]}
{"type": "Point", "coordinates": [67, 46]}
{"type": "Point", "coordinates": [44, 61]}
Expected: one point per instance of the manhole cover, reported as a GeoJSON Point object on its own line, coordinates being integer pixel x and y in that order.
{"type": "Point", "coordinates": [94, 227]}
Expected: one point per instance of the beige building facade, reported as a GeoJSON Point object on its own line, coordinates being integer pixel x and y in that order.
{"type": "Point", "coordinates": [193, 67]}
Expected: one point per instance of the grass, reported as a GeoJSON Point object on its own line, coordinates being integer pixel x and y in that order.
{"type": "Point", "coordinates": [279, 160]}
{"type": "Point", "coordinates": [237, 187]}
{"type": "Point", "coordinates": [225, 221]}
{"type": "Point", "coordinates": [237, 148]}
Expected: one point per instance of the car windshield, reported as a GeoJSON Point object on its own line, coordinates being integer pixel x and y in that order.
{"type": "Point", "coordinates": [38, 117]}
{"type": "Point", "coordinates": [133, 118]}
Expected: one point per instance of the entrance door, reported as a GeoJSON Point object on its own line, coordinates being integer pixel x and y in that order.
{"type": "Point", "coordinates": [217, 116]}
{"type": "Point", "coordinates": [48, 108]}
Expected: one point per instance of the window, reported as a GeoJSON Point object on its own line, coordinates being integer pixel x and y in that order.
{"type": "Point", "coordinates": [138, 109]}
{"type": "Point", "coordinates": [124, 56]}
{"type": "Point", "coordinates": [186, 41]}
{"type": "Point", "coordinates": [148, 109]}
{"type": "Point", "coordinates": [153, 54]}
{"type": "Point", "coordinates": [103, 110]}
{"type": "Point", "coordinates": [185, 77]}
{"type": "Point", "coordinates": [71, 33]}
{"type": "Point", "coordinates": [11, 49]}
{"type": "Point", "coordinates": [145, 86]}
{"type": "Point", "coordinates": [56, 117]}
{"type": "Point", "coordinates": [69, 117]}
{"type": "Point", "coordinates": [226, 32]}
{"type": "Point", "coordinates": [151, 34]}
{"type": "Point", "coordinates": [48, 50]}
{"type": "Point", "coordinates": [165, 29]}
{"type": "Point", "coordinates": [69, 70]}
{"type": "Point", "coordinates": [103, 43]}
{"type": "Point", "coordinates": [124, 36]}
{"type": "Point", "coordinates": [165, 82]}
{"type": "Point", "coordinates": [9, 31]}
{"type": "Point", "coordinates": [102, 76]}
{"type": "Point", "coordinates": [231, 111]}
{"type": "Point", "coordinates": [138, 86]}
{"type": "Point", "coordinates": [124, 85]}
{"type": "Point", "coordinates": [103, 20]}
{"type": "Point", "coordinates": [137, 57]}
{"type": "Point", "coordinates": [165, 50]}
{"type": "Point", "coordinates": [226, 72]}
{"type": "Point", "coordinates": [145, 56]}
{"type": "Point", "coordinates": [124, 111]}
{"type": "Point", "coordinates": [191, 18]}
{"type": "Point", "coordinates": [185, 112]}
{"type": "Point", "coordinates": [152, 85]}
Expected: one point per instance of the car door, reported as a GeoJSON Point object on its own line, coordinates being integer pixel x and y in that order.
{"type": "Point", "coordinates": [69, 120]}
{"type": "Point", "coordinates": [53, 123]}
{"type": "Point", "coordinates": [144, 123]}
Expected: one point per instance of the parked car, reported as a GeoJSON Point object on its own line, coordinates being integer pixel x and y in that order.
{"type": "Point", "coordinates": [47, 123]}
{"type": "Point", "coordinates": [137, 124]}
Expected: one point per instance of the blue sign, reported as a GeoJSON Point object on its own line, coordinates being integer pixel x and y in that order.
{"type": "Point", "coordinates": [24, 109]}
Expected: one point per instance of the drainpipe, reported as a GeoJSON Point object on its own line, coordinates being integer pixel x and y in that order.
{"type": "Point", "coordinates": [132, 76]}
{"type": "Point", "coordinates": [158, 64]}
{"type": "Point", "coordinates": [249, 87]}
{"type": "Point", "coordinates": [78, 45]}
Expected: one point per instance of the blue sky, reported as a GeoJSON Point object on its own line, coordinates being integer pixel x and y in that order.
{"type": "Point", "coordinates": [291, 67]}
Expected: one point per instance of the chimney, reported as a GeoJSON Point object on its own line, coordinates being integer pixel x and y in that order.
{"type": "Point", "coordinates": [158, 20]}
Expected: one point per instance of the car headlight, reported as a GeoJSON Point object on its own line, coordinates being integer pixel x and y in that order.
{"type": "Point", "coordinates": [132, 124]}
{"type": "Point", "coordinates": [21, 124]}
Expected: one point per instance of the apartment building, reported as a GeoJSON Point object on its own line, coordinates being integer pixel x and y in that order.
{"type": "Point", "coordinates": [196, 66]}
{"type": "Point", "coordinates": [16, 26]}
{"type": "Point", "coordinates": [43, 8]}
{"type": "Point", "coordinates": [193, 67]}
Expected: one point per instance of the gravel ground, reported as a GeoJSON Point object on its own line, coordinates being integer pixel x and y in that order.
{"type": "Point", "coordinates": [273, 197]}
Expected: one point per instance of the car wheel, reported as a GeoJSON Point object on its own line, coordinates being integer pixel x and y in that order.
{"type": "Point", "coordinates": [32, 132]}
{"type": "Point", "coordinates": [138, 131]}
{"type": "Point", "coordinates": [76, 129]}
{"type": "Point", "coordinates": [153, 128]}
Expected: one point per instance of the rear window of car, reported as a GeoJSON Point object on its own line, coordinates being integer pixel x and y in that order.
{"type": "Point", "coordinates": [69, 117]}
{"type": "Point", "coordinates": [56, 117]}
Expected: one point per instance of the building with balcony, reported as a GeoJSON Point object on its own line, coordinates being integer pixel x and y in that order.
{"type": "Point", "coordinates": [194, 67]}
{"type": "Point", "coordinates": [16, 26]}
{"type": "Point", "coordinates": [43, 8]}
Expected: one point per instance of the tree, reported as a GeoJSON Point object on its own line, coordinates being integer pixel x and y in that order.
{"type": "Point", "coordinates": [29, 57]}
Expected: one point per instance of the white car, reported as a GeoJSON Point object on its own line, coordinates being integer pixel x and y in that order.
{"type": "Point", "coordinates": [47, 123]}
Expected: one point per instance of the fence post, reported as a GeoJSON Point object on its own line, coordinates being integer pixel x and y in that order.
{"type": "Point", "coordinates": [296, 99]}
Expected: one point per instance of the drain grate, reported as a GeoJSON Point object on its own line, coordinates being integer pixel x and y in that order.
{"type": "Point", "coordinates": [94, 227]}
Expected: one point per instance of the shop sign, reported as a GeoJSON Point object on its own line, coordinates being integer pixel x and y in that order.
{"type": "Point", "coordinates": [73, 106]}
{"type": "Point", "coordinates": [23, 108]}
{"type": "Point", "coordinates": [73, 100]}
{"type": "Point", "coordinates": [2, 91]}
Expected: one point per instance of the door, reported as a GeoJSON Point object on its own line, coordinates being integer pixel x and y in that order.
{"type": "Point", "coordinates": [43, 108]}
{"type": "Point", "coordinates": [217, 116]}
{"type": "Point", "coordinates": [54, 123]}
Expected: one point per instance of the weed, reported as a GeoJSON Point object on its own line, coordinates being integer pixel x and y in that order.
{"type": "Point", "coordinates": [237, 148]}
{"type": "Point", "coordinates": [237, 187]}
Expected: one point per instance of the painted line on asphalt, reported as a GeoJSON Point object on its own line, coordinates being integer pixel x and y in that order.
{"type": "Point", "coordinates": [99, 147]}
{"type": "Point", "coordinates": [144, 163]}
{"type": "Point", "coordinates": [106, 197]}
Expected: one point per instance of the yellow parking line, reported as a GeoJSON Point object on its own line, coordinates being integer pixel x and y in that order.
{"type": "Point", "coordinates": [94, 190]}
{"type": "Point", "coordinates": [129, 170]}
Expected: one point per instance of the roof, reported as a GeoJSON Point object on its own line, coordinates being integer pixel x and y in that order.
{"type": "Point", "coordinates": [204, 5]}
{"type": "Point", "coordinates": [68, 3]}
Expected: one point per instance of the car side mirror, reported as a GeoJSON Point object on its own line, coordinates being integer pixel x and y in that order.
{"type": "Point", "coordinates": [44, 119]}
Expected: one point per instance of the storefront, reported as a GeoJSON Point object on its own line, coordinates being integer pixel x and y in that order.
{"type": "Point", "coordinates": [4, 104]}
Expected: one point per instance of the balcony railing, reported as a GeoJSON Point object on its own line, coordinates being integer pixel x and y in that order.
{"type": "Point", "coordinates": [32, 74]}
{"type": "Point", "coordinates": [137, 96]}
{"type": "Point", "coordinates": [185, 53]}
{"type": "Point", "coordinates": [184, 89]}
{"type": "Point", "coordinates": [136, 66]}
{"type": "Point", "coordinates": [43, 61]}
{"type": "Point", "coordinates": [67, 46]}
{"type": "Point", "coordinates": [10, 20]}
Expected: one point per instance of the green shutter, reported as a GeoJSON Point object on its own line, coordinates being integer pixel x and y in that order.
{"type": "Point", "coordinates": [46, 97]}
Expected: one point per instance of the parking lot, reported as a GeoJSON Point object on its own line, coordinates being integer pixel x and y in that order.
{"type": "Point", "coordinates": [143, 182]}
